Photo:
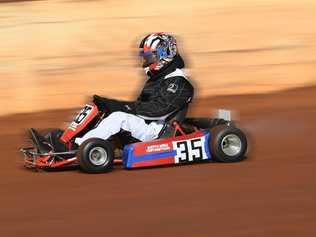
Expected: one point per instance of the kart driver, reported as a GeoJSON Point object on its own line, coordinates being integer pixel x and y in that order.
{"type": "Point", "coordinates": [166, 91]}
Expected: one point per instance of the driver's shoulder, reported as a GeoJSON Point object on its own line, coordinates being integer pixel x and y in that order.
{"type": "Point", "coordinates": [177, 73]}
{"type": "Point", "coordinates": [180, 78]}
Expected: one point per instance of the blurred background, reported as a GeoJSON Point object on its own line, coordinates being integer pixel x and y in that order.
{"type": "Point", "coordinates": [249, 56]}
{"type": "Point", "coordinates": [54, 54]}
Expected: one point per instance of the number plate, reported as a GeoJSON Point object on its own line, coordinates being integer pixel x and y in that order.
{"type": "Point", "coordinates": [80, 117]}
{"type": "Point", "coordinates": [190, 150]}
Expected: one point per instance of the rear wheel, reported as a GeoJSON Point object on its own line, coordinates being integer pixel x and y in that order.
{"type": "Point", "coordinates": [96, 156]}
{"type": "Point", "coordinates": [228, 144]}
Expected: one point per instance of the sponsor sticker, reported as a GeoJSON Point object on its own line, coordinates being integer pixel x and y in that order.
{"type": "Point", "coordinates": [158, 148]}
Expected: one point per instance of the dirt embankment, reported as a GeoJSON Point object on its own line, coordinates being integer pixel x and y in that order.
{"type": "Point", "coordinates": [270, 194]}
{"type": "Point", "coordinates": [55, 53]}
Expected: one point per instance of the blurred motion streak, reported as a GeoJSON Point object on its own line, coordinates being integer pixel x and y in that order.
{"type": "Point", "coordinates": [54, 54]}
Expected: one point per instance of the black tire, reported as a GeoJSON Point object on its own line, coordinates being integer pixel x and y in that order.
{"type": "Point", "coordinates": [228, 144]}
{"type": "Point", "coordinates": [96, 156]}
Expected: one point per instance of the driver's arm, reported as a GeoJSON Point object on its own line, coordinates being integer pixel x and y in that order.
{"type": "Point", "coordinates": [111, 105]}
{"type": "Point", "coordinates": [173, 96]}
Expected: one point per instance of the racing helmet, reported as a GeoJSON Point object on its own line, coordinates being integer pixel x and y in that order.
{"type": "Point", "coordinates": [157, 50]}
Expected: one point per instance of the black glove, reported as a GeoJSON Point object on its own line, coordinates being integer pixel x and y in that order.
{"type": "Point", "coordinates": [109, 105]}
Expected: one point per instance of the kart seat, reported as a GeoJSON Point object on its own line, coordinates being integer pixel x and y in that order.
{"type": "Point", "coordinates": [178, 116]}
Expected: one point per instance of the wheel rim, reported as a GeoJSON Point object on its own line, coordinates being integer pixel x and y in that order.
{"type": "Point", "coordinates": [231, 145]}
{"type": "Point", "coordinates": [98, 156]}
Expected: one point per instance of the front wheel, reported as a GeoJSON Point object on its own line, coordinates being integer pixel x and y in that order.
{"type": "Point", "coordinates": [228, 144]}
{"type": "Point", "coordinates": [96, 156]}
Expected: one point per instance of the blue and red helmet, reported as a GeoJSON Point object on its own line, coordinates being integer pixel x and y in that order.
{"type": "Point", "coordinates": [157, 50]}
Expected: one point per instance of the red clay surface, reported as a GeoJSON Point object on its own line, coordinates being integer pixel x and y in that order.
{"type": "Point", "coordinates": [272, 193]}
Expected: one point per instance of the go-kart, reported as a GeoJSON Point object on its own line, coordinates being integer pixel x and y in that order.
{"type": "Point", "coordinates": [182, 140]}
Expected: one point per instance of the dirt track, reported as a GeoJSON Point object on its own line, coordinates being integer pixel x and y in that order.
{"type": "Point", "coordinates": [270, 194]}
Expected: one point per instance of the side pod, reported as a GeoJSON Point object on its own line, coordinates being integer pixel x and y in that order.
{"type": "Point", "coordinates": [189, 148]}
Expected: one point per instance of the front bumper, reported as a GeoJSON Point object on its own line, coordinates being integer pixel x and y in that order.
{"type": "Point", "coordinates": [36, 160]}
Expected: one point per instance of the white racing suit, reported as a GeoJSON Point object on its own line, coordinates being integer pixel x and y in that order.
{"type": "Point", "coordinates": [116, 121]}
{"type": "Point", "coordinates": [163, 94]}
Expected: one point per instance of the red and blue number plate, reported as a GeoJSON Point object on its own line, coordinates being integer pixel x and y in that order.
{"type": "Point", "coordinates": [176, 150]}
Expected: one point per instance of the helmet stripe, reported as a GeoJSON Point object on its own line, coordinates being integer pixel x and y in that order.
{"type": "Point", "coordinates": [154, 43]}
{"type": "Point", "coordinates": [150, 39]}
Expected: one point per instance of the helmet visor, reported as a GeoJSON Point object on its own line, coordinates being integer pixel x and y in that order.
{"type": "Point", "coordinates": [148, 58]}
